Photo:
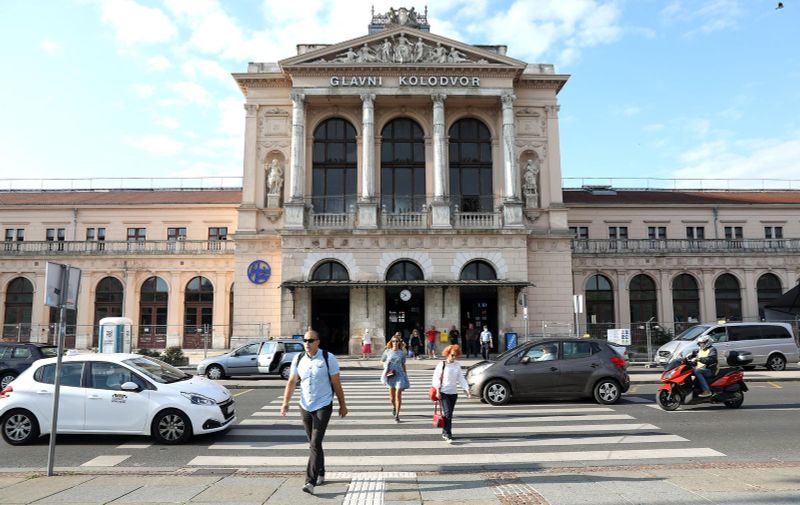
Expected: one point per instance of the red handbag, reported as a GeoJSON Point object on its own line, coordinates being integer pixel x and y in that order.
{"type": "Point", "coordinates": [433, 393]}
{"type": "Point", "coordinates": [438, 418]}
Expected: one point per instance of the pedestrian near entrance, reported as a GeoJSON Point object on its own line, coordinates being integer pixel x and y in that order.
{"type": "Point", "coordinates": [416, 344]}
{"type": "Point", "coordinates": [394, 373]}
{"type": "Point", "coordinates": [318, 373]}
{"type": "Point", "coordinates": [366, 344]}
{"type": "Point", "coordinates": [454, 336]}
{"type": "Point", "coordinates": [473, 340]}
{"type": "Point", "coordinates": [430, 339]}
{"type": "Point", "coordinates": [446, 379]}
{"type": "Point", "coordinates": [486, 342]}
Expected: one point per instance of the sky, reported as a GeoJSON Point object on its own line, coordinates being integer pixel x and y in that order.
{"type": "Point", "coordinates": [662, 89]}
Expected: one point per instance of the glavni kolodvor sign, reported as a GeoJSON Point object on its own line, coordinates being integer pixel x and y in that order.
{"type": "Point", "coordinates": [463, 81]}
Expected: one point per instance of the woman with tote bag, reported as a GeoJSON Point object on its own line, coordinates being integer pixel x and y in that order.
{"type": "Point", "coordinates": [446, 379]}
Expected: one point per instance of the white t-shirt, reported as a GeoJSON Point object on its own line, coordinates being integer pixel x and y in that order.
{"type": "Point", "coordinates": [366, 339]}
{"type": "Point", "coordinates": [452, 378]}
{"type": "Point", "coordinates": [486, 336]}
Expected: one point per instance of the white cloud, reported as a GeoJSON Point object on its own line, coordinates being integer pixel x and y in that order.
{"type": "Point", "coordinates": [50, 46]}
{"type": "Point", "coordinates": [158, 63]}
{"type": "Point", "coordinates": [704, 17]}
{"type": "Point", "coordinates": [207, 68]}
{"type": "Point", "coordinates": [144, 90]}
{"type": "Point", "coordinates": [133, 23]}
{"type": "Point", "coordinates": [751, 158]}
{"type": "Point", "coordinates": [654, 127]}
{"type": "Point", "coordinates": [168, 122]}
{"type": "Point", "coordinates": [155, 144]}
{"type": "Point", "coordinates": [191, 92]}
{"type": "Point", "coordinates": [631, 110]}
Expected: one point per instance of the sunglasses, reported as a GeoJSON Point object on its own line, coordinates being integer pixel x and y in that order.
{"type": "Point", "coordinates": [309, 340]}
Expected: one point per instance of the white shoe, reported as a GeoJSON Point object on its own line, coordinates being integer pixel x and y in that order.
{"type": "Point", "coordinates": [320, 480]}
{"type": "Point", "coordinates": [308, 488]}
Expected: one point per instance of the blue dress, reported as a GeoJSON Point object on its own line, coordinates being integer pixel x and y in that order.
{"type": "Point", "coordinates": [395, 360]}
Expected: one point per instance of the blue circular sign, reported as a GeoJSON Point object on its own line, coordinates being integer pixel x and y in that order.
{"type": "Point", "coordinates": [258, 272]}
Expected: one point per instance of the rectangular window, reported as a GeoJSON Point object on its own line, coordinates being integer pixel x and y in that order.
{"type": "Point", "coordinates": [9, 234]}
{"type": "Point", "coordinates": [176, 233]}
{"type": "Point", "coordinates": [733, 232]}
{"type": "Point", "coordinates": [695, 232]}
{"type": "Point", "coordinates": [54, 234]}
{"type": "Point", "coordinates": [51, 234]}
{"type": "Point", "coordinates": [101, 234]}
{"type": "Point", "coordinates": [773, 232]}
{"type": "Point", "coordinates": [657, 232]}
{"type": "Point", "coordinates": [580, 232]}
{"type": "Point", "coordinates": [90, 234]}
{"type": "Point", "coordinates": [137, 234]}
{"type": "Point", "coordinates": [20, 234]}
{"type": "Point", "coordinates": [618, 232]}
{"type": "Point", "coordinates": [218, 233]}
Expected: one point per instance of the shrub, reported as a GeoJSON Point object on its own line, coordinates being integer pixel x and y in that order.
{"type": "Point", "coordinates": [147, 352]}
{"type": "Point", "coordinates": [173, 355]}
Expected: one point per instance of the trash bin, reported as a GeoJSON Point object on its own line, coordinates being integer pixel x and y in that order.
{"type": "Point", "coordinates": [511, 341]}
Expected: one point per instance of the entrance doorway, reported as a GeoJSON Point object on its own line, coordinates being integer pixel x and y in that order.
{"type": "Point", "coordinates": [330, 318]}
{"type": "Point", "coordinates": [405, 315]}
{"type": "Point", "coordinates": [479, 307]}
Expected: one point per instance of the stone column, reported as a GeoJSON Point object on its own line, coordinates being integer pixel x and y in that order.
{"type": "Point", "coordinates": [667, 314]}
{"type": "Point", "coordinates": [247, 211]}
{"type": "Point", "coordinates": [294, 209]}
{"type": "Point", "coordinates": [749, 296]}
{"type": "Point", "coordinates": [623, 301]}
{"type": "Point", "coordinates": [512, 205]}
{"type": "Point", "coordinates": [175, 309]}
{"type": "Point", "coordinates": [708, 299]}
{"type": "Point", "coordinates": [367, 206]}
{"type": "Point", "coordinates": [440, 209]}
{"type": "Point", "coordinates": [221, 300]}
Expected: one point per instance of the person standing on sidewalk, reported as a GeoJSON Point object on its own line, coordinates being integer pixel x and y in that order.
{"type": "Point", "coordinates": [473, 340]}
{"type": "Point", "coordinates": [318, 372]}
{"type": "Point", "coordinates": [446, 379]}
{"type": "Point", "coordinates": [366, 344]}
{"type": "Point", "coordinates": [417, 348]}
{"type": "Point", "coordinates": [395, 375]}
{"type": "Point", "coordinates": [486, 342]}
{"type": "Point", "coordinates": [430, 341]}
{"type": "Point", "coordinates": [454, 336]}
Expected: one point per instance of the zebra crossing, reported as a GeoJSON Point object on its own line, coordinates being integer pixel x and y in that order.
{"type": "Point", "coordinates": [515, 434]}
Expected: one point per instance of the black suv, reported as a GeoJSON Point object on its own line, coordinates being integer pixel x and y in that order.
{"type": "Point", "coordinates": [16, 357]}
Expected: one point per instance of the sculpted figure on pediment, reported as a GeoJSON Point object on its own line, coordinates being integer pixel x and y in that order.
{"type": "Point", "coordinates": [348, 56]}
{"type": "Point", "coordinates": [456, 56]}
{"type": "Point", "coordinates": [439, 54]}
{"type": "Point", "coordinates": [420, 48]}
{"type": "Point", "coordinates": [385, 54]}
{"type": "Point", "coordinates": [366, 55]}
{"type": "Point", "coordinates": [402, 50]}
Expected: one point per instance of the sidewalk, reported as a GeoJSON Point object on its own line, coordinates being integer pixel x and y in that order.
{"type": "Point", "coordinates": [732, 483]}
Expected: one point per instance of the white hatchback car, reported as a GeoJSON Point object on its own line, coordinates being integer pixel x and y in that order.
{"type": "Point", "coordinates": [114, 394]}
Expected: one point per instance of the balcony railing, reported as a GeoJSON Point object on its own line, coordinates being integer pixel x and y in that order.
{"type": "Point", "coordinates": [109, 247]}
{"type": "Point", "coordinates": [477, 220]}
{"type": "Point", "coordinates": [404, 220]}
{"type": "Point", "coordinates": [333, 221]}
{"type": "Point", "coordinates": [640, 246]}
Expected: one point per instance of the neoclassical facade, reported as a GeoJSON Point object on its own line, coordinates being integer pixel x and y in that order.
{"type": "Point", "coordinates": [396, 181]}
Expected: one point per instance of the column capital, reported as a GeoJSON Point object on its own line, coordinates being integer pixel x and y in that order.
{"type": "Point", "coordinates": [251, 109]}
{"type": "Point", "coordinates": [298, 97]}
{"type": "Point", "coordinates": [552, 110]}
{"type": "Point", "coordinates": [508, 99]}
{"type": "Point", "coordinates": [368, 98]}
{"type": "Point", "coordinates": [438, 98]}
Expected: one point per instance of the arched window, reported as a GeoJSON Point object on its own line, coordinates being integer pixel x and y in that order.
{"type": "Point", "coordinates": [404, 271]}
{"type": "Point", "coordinates": [728, 298]}
{"type": "Point", "coordinates": [685, 302]}
{"type": "Point", "coordinates": [330, 271]}
{"type": "Point", "coordinates": [644, 302]}
{"type": "Point", "coordinates": [19, 308]}
{"type": "Point", "coordinates": [153, 303]}
{"type": "Point", "coordinates": [333, 175]}
{"type": "Point", "coordinates": [402, 166]}
{"type": "Point", "coordinates": [198, 314]}
{"type": "Point", "coordinates": [768, 288]}
{"type": "Point", "coordinates": [478, 270]}
{"type": "Point", "coordinates": [471, 166]}
{"type": "Point", "coordinates": [599, 305]}
{"type": "Point", "coordinates": [108, 299]}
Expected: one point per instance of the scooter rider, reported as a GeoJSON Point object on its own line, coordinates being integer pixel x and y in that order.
{"type": "Point", "coordinates": [707, 364]}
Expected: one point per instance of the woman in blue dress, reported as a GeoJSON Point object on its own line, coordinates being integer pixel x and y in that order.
{"type": "Point", "coordinates": [394, 372]}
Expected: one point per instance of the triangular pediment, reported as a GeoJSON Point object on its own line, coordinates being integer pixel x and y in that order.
{"type": "Point", "coordinates": [401, 46]}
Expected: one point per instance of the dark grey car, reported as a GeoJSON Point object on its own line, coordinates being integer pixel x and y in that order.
{"type": "Point", "coordinates": [15, 358]}
{"type": "Point", "coordinates": [552, 368]}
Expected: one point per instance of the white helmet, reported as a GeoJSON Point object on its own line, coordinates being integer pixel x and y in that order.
{"type": "Point", "coordinates": [704, 341]}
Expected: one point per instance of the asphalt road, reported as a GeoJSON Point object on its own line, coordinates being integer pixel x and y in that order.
{"type": "Point", "coordinates": [764, 429]}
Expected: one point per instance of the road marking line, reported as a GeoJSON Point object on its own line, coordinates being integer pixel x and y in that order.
{"type": "Point", "coordinates": [243, 392]}
{"type": "Point", "coordinates": [408, 406]}
{"type": "Point", "coordinates": [461, 420]}
{"type": "Point", "coordinates": [134, 445]}
{"type": "Point", "coordinates": [450, 458]}
{"type": "Point", "coordinates": [334, 431]}
{"type": "Point", "coordinates": [464, 414]}
{"type": "Point", "coordinates": [437, 444]}
{"type": "Point", "coordinates": [776, 386]}
{"type": "Point", "coordinates": [107, 460]}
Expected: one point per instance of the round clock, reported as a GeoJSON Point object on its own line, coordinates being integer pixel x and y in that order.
{"type": "Point", "coordinates": [405, 295]}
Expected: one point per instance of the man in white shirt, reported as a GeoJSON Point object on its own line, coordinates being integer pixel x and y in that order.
{"type": "Point", "coordinates": [486, 342]}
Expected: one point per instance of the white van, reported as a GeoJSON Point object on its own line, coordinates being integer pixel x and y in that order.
{"type": "Point", "coordinates": [772, 344]}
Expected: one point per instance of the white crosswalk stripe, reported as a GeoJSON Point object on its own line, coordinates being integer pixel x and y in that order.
{"type": "Point", "coordinates": [518, 433]}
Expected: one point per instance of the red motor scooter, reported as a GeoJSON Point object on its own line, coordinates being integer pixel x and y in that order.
{"type": "Point", "coordinates": [727, 386]}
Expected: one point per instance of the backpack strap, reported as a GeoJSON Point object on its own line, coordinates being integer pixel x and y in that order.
{"type": "Point", "coordinates": [327, 365]}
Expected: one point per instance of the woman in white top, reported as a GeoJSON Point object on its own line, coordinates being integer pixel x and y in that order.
{"type": "Point", "coordinates": [446, 379]}
{"type": "Point", "coordinates": [366, 344]}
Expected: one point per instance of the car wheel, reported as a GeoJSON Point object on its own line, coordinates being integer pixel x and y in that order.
{"type": "Point", "coordinates": [497, 392]}
{"type": "Point", "coordinates": [171, 427]}
{"type": "Point", "coordinates": [776, 363]}
{"type": "Point", "coordinates": [607, 391]}
{"type": "Point", "coordinates": [669, 400]}
{"type": "Point", "coordinates": [6, 378]}
{"type": "Point", "coordinates": [736, 401]}
{"type": "Point", "coordinates": [19, 427]}
{"type": "Point", "coordinates": [285, 370]}
{"type": "Point", "coordinates": [215, 372]}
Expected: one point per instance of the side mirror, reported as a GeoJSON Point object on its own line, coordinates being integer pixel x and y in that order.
{"type": "Point", "coordinates": [130, 386]}
{"type": "Point", "coordinates": [526, 360]}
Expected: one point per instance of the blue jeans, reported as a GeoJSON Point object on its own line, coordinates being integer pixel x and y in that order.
{"type": "Point", "coordinates": [703, 375]}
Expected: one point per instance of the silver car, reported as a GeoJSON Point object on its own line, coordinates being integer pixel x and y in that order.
{"type": "Point", "coordinates": [268, 357]}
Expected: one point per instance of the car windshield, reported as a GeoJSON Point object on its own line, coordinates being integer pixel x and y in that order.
{"type": "Point", "coordinates": [157, 370]}
{"type": "Point", "coordinates": [49, 352]}
{"type": "Point", "coordinates": [692, 333]}
{"type": "Point", "coordinates": [506, 354]}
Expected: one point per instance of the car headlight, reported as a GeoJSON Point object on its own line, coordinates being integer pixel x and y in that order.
{"type": "Point", "coordinates": [480, 368]}
{"type": "Point", "coordinates": [197, 399]}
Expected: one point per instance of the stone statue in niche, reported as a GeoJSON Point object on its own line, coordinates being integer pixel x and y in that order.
{"type": "Point", "coordinates": [530, 186]}
{"type": "Point", "coordinates": [274, 184]}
